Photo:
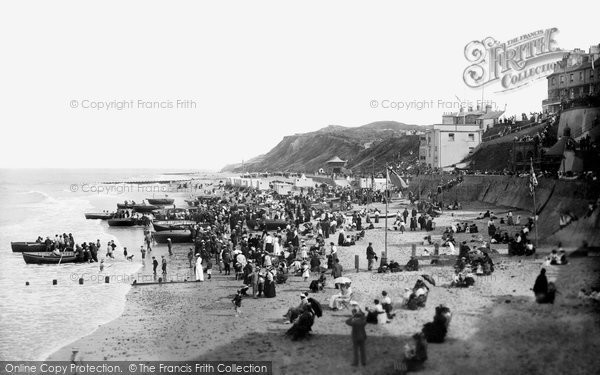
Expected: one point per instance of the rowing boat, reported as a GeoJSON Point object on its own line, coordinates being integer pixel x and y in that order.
{"type": "Point", "coordinates": [178, 235]}
{"type": "Point", "coordinates": [49, 257]}
{"type": "Point", "coordinates": [19, 247]}
{"type": "Point", "coordinates": [160, 201]}
{"type": "Point", "coordinates": [162, 225]}
{"type": "Point", "coordinates": [98, 215]}
{"type": "Point", "coordinates": [145, 208]}
{"type": "Point", "coordinates": [122, 222]}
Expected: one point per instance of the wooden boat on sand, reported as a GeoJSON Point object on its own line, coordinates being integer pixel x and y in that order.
{"type": "Point", "coordinates": [122, 222]}
{"type": "Point", "coordinates": [160, 201]}
{"type": "Point", "coordinates": [49, 257]}
{"type": "Point", "coordinates": [19, 247]}
{"type": "Point", "coordinates": [98, 215]}
{"type": "Point", "coordinates": [163, 225]}
{"type": "Point", "coordinates": [176, 236]}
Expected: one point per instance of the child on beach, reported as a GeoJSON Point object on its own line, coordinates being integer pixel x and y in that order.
{"type": "Point", "coordinates": [209, 268]}
{"type": "Point", "coordinates": [305, 271]}
{"type": "Point", "coordinates": [237, 302]}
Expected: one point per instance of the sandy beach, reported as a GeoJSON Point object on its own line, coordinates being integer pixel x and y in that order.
{"type": "Point", "coordinates": [497, 328]}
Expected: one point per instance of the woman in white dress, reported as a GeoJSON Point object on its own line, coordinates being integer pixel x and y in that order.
{"type": "Point", "coordinates": [199, 269]}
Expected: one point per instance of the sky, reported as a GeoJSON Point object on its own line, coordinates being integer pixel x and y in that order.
{"type": "Point", "coordinates": [188, 84]}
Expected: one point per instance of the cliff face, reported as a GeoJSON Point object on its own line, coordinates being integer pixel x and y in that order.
{"type": "Point", "coordinates": [385, 141]}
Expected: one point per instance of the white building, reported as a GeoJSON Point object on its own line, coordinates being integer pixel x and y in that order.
{"type": "Point", "coordinates": [446, 145]}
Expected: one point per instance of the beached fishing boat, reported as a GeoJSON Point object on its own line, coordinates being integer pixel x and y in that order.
{"type": "Point", "coordinates": [125, 206]}
{"type": "Point", "coordinates": [179, 235]}
{"type": "Point", "coordinates": [122, 222]}
{"type": "Point", "coordinates": [160, 201]}
{"type": "Point", "coordinates": [145, 208]}
{"type": "Point", "coordinates": [98, 215]}
{"type": "Point", "coordinates": [266, 224]}
{"type": "Point", "coordinates": [192, 202]}
{"type": "Point", "coordinates": [162, 225]}
{"type": "Point", "coordinates": [383, 215]}
{"type": "Point", "coordinates": [19, 247]}
{"type": "Point", "coordinates": [49, 257]}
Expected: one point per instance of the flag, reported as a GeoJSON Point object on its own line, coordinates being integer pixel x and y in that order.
{"type": "Point", "coordinates": [532, 179]}
{"type": "Point", "coordinates": [396, 179]}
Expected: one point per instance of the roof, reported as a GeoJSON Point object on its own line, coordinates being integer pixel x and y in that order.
{"type": "Point", "coordinates": [336, 159]}
{"type": "Point", "coordinates": [491, 115]}
{"type": "Point", "coordinates": [574, 68]}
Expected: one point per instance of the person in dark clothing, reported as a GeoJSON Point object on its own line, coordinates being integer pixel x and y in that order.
{"type": "Point", "coordinates": [341, 238]}
{"type": "Point", "coordinates": [358, 321]}
{"type": "Point", "coordinates": [154, 265]}
{"type": "Point", "coordinates": [371, 256]}
{"type": "Point", "coordinates": [540, 288]}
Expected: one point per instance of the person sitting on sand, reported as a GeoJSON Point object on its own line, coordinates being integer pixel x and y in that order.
{"type": "Point", "coordinates": [541, 289]}
{"type": "Point", "coordinates": [418, 296]}
{"type": "Point", "coordinates": [337, 301]}
{"type": "Point", "coordinates": [386, 303]}
{"type": "Point", "coordinates": [415, 354]}
{"type": "Point", "coordinates": [294, 312]}
{"type": "Point", "coordinates": [376, 314]}
{"type": "Point", "coordinates": [412, 265]}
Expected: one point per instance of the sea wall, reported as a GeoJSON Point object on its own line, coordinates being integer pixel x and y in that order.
{"type": "Point", "coordinates": [553, 198]}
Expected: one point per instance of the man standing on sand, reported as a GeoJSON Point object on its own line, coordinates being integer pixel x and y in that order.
{"type": "Point", "coordinates": [154, 265]}
{"type": "Point", "coordinates": [190, 256]}
{"type": "Point", "coordinates": [255, 278]}
{"type": "Point", "coordinates": [164, 266]}
{"type": "Point", "coordinates": [143, 251]}
{"type": "Point", "coordinates": [170, 246]}
{"type": "Point", "coordinates": [337, 271]}
{"type": "Point", "coordinates": [358, 321]}
{"type": "Point", "coordinates": [371, 256]}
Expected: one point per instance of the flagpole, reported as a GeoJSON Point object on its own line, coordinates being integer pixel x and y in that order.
{"type": "Point", "coordinates": [386, 210]}
{"type": "Point", "coordinates": [535, 221]}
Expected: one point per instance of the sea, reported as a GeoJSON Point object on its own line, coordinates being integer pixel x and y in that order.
{"type": "Point", "coordinates": [40, 318]}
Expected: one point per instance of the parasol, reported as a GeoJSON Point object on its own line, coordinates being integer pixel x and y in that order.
{"type": "Point", "coordinates": [316, 307]}
{"type": "Point", "coordinates": [428, 279]}
{"type": "Point", "coordinates": [342, 280]}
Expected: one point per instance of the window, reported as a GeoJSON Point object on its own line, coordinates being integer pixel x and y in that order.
{"type": "Point", "coordinates": [591, 73]}
{"type": "Point", "coordinates": [451, 137]}
{"type": "Point", "coordinates": [553, 81]}
{"type": "Point", "coordinates": [471, 137]}
{"type": "Point", "coordinates": [435, 149]}
{"type": "Point", "coordinates": [562, 79]}
{"type": "Point", "coordinates": [571, 78]}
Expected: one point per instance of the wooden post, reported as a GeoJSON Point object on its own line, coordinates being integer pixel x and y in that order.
{"type": "Point", "coordinates": [107, 279]}
{"type": "Point", "coordinates": [54, 282]}
{"type": "Point", "coordinates": [356, 261]}
{"type": "Point", "coordinates": [81, 281]}
{"type": "Point", "coordinates": [413, 250]}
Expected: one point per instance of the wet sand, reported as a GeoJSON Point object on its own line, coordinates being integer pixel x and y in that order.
{"type": "Point", "coordinates": [496, 328]}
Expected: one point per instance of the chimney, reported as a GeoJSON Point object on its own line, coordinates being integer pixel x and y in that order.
{"type": "Point", "coordinates": [461, 109]}
{"type": "Point", "coordinates": [470, 108]}
{"type": "Point", "coordinates": [478, 107]}
{"type": "Point", "coordinates": [488, 108]}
